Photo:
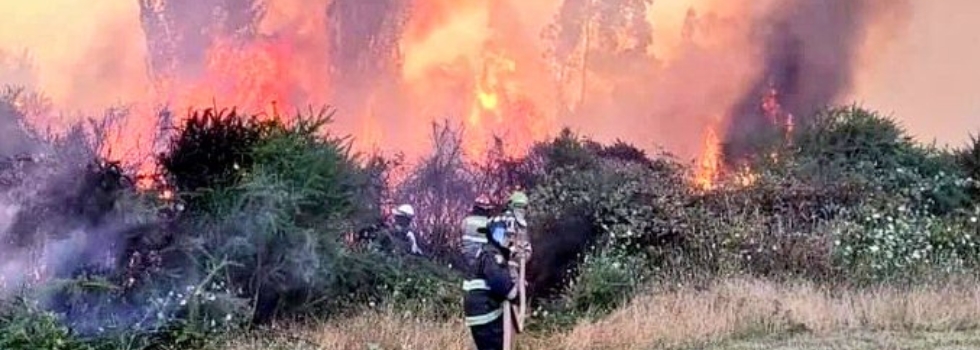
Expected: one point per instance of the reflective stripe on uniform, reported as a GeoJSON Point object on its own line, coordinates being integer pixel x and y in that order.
{"type": "Point", "coordinates": [472, 223]}
{"type": "Point", "coordinates": [484, 319]}
{"type": "Point", "coordinates": [475, 285]}
{"type": "Point", "coordinates": [476, 239]}
{"type": "Point", "coordinates": [471, 226]}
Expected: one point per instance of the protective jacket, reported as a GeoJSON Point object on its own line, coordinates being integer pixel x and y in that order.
{"type": "Point", "coordinates": [518, 240]}
{"type": "Point", "coordinates": [515, 224]}
{"type": "Point", "coordinates": [404, 239]}
{"type": "Point", "coordinates": [473, 240]}
{"type": "Point", "coordinates": [488, 285]}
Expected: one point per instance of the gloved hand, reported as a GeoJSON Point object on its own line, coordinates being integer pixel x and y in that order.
{"type": "Point", "coordinates": [523, 250]}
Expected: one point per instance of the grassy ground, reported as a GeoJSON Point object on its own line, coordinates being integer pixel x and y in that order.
{"type": "Point", "coordinates": [733, 314]}
{"type": "Point", "coordinates": [840, 341]}
{"type": "Point", "coordinates": [857, 341]}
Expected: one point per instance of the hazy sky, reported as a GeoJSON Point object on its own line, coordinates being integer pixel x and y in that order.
{"type": "Point", "coordinates": [929, 78]}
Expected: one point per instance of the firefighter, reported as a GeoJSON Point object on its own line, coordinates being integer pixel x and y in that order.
{"type": "Point", "coordinates": [472, 239]}
{"type": "Point", "coordinates": [513, 223]}
{"type": "Point", "coordinates": [488, 288]}
{"type": "Point", "coordinates": [402, 229]}
{"type": "Point", "coordinates": [514, 218]}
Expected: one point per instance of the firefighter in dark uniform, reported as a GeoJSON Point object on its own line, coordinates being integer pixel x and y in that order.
{"type": "Point", "coordinates": [473, 240]}
{"type": "Point", "coordinates": [488, 285]}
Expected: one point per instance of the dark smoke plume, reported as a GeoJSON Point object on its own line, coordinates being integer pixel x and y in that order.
{"type": "Point", "coordinates": [809, 49]}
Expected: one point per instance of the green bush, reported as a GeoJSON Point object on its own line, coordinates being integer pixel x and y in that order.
{"type": "Point", "coordinates": [25, 326]}
{"type": "Point", "coordinates": [894, 241]}
{"type": "Point", "coordinates": [212, 151]}
{"type": "Point", "coordinates": [606, 280]}
{"type": "Point", "coordinates": [611, 196]}
{"type": "Point", "coordinates": [281, 230]}
{"type": "Point", "coordinates": [969, 159]}
{"type": "Point", "coordinates": [842, 137]}
{"type": "Point", "coordinates": [281, 226]}
{"type": "Point", "coordinates": [857, 146]}
{"type": "Point", "coordinates": [568, 150]}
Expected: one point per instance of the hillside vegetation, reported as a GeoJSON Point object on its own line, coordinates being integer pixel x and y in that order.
{"type": "Point", "coordinates": [847, 225]}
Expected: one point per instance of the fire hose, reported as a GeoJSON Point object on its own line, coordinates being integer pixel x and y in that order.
{"type": "Point", "coordinates": [514, 320]}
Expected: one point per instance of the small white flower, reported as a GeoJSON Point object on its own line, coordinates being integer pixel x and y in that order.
{"type": "Point", "coordinates": [874, 249]}
{"type": "Point", "coordinates": [973, 219]}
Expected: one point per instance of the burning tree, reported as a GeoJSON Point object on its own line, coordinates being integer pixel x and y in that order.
{"type": "Point", "coordinates": [364, 38]}
{"type": "Point", "coordinates": [179, 32]}
{"type": "Point", "coordinates": [597, 37]}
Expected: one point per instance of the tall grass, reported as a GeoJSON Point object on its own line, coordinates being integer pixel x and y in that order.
{"type": "Point", "coordinates": [671, 317]}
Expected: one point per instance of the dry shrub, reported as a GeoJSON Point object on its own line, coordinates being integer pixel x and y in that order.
{"type": "Point", "coordinates": [681, 317]}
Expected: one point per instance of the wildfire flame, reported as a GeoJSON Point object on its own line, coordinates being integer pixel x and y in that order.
{"type": "Point", "coordinates": [774, 111]}
{"type": "Point", "coordinates": [711, 168]}
{"type": "Point", "coordinates": [515, 69]}
{"type": "Point", "coordinates": [710, 163]}
{"type": "Point", "coordinates": [491, 108]}
{"type": "Point", "coordinates": [745, 177]}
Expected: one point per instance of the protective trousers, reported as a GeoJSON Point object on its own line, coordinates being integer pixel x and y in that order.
{"type": "Point", "coordinates": [489, 336]}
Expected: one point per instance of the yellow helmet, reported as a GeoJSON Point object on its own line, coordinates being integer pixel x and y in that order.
{"type": "Point", "coordinates": [518, 200]}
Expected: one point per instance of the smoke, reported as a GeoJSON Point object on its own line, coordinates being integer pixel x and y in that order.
{"type": "Point", "coordinates": [58, 213]}
{"type": "Point", "coordinates": [84, 56]}
{"type": "Point", "coordinates": [14, 138]}
{"type": "Point", "coordinates": [60, 217]}
{"type": "Point", "coordinates": [809, 53]}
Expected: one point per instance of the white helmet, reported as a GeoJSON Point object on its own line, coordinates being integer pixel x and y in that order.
{"type": "Point", "coordinates": [405, 210]}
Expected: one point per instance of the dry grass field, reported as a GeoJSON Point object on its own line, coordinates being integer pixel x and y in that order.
{"type": "Point", "coordinates": [731, 314]}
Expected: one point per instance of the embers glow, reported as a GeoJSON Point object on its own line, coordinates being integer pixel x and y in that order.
{"type": "Point", "coordinates": [774, 111]}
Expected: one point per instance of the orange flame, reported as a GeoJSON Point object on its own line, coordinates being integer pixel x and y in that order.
{"type": "Point", "coordinates": [253, 76]}
{"type": "Point", "coordinates": [775, 112]}
{"type": "Point", "coordinates": [493, 98]}
{"type": "Point", "coordinates": [745, 177]}
{"type": "Point", "coordinates": [709, 164]}
{"type": "Point", "coordinates": [462, 62]}
{"type": "Point", "coordinates": [490, 65]}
